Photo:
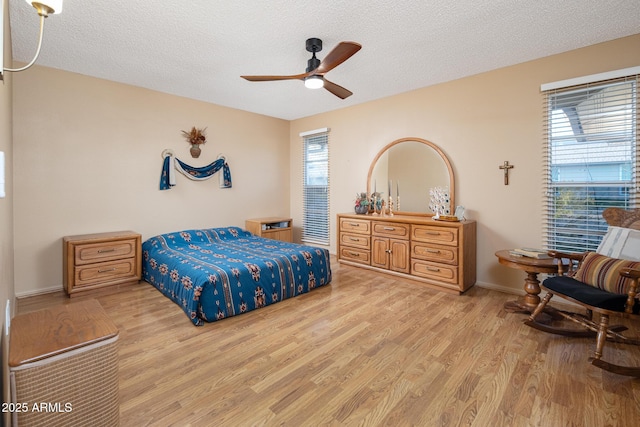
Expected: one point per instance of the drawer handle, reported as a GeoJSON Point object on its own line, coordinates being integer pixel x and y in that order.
{"type": "Point", "coordinates": [389, 228]}
{"type": "Point", "coordinates": [354, 239]}
{"type": "Point", "coordinates": [355, 254]}
{"type": "Point", "coordinates": [107, 270]}
{"type": "Point", "coordinates": [433, 233]}
{"type": "Point", "coordinates": [433, 251]}
{"type": "Point", "coordinates": [102, 251]}
{"type": "Point", "coordinates": [433, 269]}
{"type": "Point", "coordinates": [354, 224]}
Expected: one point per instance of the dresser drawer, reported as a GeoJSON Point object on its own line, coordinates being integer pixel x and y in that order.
{"type": "Point", "coordinates": [435, 234]}
{"type": "Point", "coordinates": [433, 252]}
{"type": "Point", "coordinates": [360, 226]}
{"type": "Point", "coordinates": [356, 240]}
{"type": "Point", "coordinates": [391, 229]}
{"type": "Point", "coordinates": [431, 270]}
{"type": "Point", "coordinates": [105, 272]}
{"type": "Point", "coordinates": [356, 255]}
{"type": "Point", "coordinates": [104, 251]}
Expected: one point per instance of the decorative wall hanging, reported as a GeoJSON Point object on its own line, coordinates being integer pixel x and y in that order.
{"type": "Point", "coordinates": [195, 137]}
{"type": "Point", "coordinates": [171, 163]}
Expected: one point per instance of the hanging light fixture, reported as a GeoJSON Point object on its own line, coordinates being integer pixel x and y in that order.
{"type": "Point", "coordinates": [44, 9]}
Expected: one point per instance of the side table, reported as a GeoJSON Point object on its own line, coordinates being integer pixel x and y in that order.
{"type": "Point", "coordinates": [101, 260]}
{"type": "Point", "coordinates": [273, 227]}
{"type": "Point", "coordinates": [533, 267]}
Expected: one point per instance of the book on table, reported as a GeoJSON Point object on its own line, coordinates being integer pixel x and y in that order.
{"type": "Point", "coordinates": [530, 253]}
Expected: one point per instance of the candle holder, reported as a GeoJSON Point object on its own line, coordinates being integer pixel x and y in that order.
{"type": "Point", "coordinates": [390, 206]}
{"type": "Point", "coordinates": [397, 203]}
{"type": "Point", "coordinates": [376, 202]}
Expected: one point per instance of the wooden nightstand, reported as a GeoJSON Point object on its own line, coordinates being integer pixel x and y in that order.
{"type": "Point", "coordinates": [94, 261]}
{"type": "Point", "coordinates": [277, 228]}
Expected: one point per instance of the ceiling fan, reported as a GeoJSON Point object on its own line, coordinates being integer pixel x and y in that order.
{"type": "Point", "coordinates": [314, 76]}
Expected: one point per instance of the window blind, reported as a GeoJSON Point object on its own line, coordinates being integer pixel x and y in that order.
{"type": "Point", "coordinates": [315, 187]}
{"type": "Point", "coordinates": [591, 160]}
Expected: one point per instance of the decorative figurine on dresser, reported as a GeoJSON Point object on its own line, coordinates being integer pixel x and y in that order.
{"type": "Point", "coordinates": [436, 248]}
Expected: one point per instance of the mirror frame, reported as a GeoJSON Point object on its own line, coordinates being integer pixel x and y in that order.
{"type": "Point", "coordinates": [438, 150]}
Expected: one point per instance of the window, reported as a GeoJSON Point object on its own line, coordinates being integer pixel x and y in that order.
{"type": "Point", "coordinates": [591, 159]}
{"type": "Point", "coordinates": [315, 187]}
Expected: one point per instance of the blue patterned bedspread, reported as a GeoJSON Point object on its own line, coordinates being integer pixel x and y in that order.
{"type": "Point", "coordinates": [221, 272]}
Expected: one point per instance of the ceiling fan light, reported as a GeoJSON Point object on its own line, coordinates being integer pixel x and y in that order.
{"type": "Point", "coordinates": [314, 82]}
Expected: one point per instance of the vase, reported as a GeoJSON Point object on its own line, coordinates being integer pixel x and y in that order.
{"type": "Point", "coordinates": [195, 151]}
{"type": "Point", "coordinates": [362, 209]}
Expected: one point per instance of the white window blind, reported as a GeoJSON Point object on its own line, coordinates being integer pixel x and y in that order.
{"type": "Point", "coordinates": [591, 159]}
{"type": "Point", "coordinates": [315, 187]}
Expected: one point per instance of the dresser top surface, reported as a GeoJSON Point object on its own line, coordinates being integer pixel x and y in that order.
{"type": "Point", "coordinates": [270, 219]}
{"type": "Point", "coordinates": [412, 219]}
{"type": "Point", "coordinates": [101, 236]}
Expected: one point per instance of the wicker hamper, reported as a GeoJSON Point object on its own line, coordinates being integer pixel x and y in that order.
{"type": "Point", "coordinates": [63, 366]}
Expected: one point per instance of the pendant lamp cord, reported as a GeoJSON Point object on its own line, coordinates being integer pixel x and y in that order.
{"type": "Point", "coordinates": [15, 70]}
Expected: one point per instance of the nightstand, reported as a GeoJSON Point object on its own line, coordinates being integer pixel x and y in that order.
{"type": "Point", "coordinates": [94, 261]}
{"type": "Point", "coordinates": [277, 228]}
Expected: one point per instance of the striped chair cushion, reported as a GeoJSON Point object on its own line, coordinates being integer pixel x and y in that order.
{"type": "Point", "coordinates": [603, 272]}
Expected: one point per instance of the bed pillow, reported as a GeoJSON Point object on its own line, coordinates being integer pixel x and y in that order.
{"type": "Point", "coordinates": [604, 272]}
{"type": "Point", "coordinates": [621, 243]}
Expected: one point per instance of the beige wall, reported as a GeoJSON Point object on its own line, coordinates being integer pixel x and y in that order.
{"type": "Point", "coordinates": [479, 122]}
{"type": "Point", "coordinates": [87, 158]}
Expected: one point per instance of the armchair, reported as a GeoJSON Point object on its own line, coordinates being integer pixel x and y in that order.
{"type": "Point", "coordinates": [606, 286]}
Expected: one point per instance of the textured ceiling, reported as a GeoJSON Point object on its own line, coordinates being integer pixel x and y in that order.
{"type": "Point", "coordinates": [199, 48]}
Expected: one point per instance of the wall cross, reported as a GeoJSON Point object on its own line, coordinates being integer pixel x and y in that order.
{"type": "Point", "coordinates": [506, 166]}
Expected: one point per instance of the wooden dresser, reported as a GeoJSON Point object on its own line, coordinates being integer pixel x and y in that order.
{"type": "Point", "coordinates": [273, 227]}
{"type": "Point", "coordinates": [94, 261]}
{"type": "Point", "coordinates": [440, 253]}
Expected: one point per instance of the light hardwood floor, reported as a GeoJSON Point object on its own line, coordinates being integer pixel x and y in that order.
{"type": "Point", "coordinates": [368, 350]}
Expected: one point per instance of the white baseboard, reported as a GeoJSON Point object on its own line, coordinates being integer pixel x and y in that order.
{"type": "Point", "coordinates": [39, 292]}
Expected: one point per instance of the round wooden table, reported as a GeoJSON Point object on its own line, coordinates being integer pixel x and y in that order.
{"type": "Point", "coordinates": [533, 267]}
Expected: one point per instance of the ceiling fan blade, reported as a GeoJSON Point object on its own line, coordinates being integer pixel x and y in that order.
{"type": "Point", "coordinates": [337, 56]}
{"type": "Point", "coordinates": [337, 90]}
{"type": "Point", "coordinates": [272, 78]}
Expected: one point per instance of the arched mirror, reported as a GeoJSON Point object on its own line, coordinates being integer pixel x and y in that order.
{"type": "Point", "coordinates": [413, 166]}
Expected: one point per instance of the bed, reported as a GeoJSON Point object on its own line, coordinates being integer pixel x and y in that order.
{"type": "Point", "coordinates": [217, 273]}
